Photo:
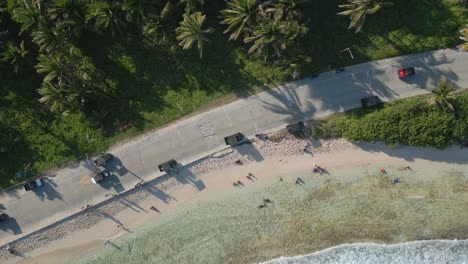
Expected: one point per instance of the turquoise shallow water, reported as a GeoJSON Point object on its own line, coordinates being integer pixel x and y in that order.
{"type": "Point", "coordinates": [322, 213]}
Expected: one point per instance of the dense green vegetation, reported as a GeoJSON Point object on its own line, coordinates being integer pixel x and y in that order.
{"type": "Point", "coordinates": [412, 121]}
{"type": "Point", "coordinates": [78, 75]}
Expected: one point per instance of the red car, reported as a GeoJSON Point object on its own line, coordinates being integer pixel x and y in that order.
{"type": "Point", "coordinates": [405, 72]}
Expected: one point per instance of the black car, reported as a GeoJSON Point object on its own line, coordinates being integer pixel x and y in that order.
{"type": "Point", "coordinates": [3, 217]}
{"type": "Point", "coordinates": [235, 139]}
{"type": "Point", "coordinates": [32, 184]}
{"type": "Point", "coordinates": [370, 101]}
{"type": "Point", "coordinates": [103, 159]}
{"type": "Point", "coordinates": [100, 176]}
{"type": "Point", "coordinates": [168, 166]}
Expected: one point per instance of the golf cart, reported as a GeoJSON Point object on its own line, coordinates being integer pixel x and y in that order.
{"type": "Point", "coordinates": [370, 101]}
{"type": "Point", "coordinates": [168, 166]}
{"type": "Point", "coordinates": [103, 159]}
{"type": "Point", "coordinates": [32, 184]}
{"type": "Point", "coordinates": [402, 73]}
{"type": "Point", "coordinates": [236, 139]}
{"type": "Point", "coordinates": [100, 176]}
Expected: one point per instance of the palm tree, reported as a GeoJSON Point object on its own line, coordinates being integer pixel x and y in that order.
{"type": "Point", "coordinates": [274, 35]}
{"type": "Point", "coordinates": [136, 10]}
{"type": "Point", "coordinates": [57, 67]}
{"type": "Point", "coordinates": [106, 16]}
{"type": "Point", "coordinates": [28, 14]}
{"type": "Point", "coordinates": [464, 36]}
{"type": "Point", "coordinates": [58, 97]}
{"type": "Point", "coordinates": [190, 32]}
{"type": "Point", "coordinates": [442, 94]}
{"type": "Point", "coordinates": [239, 15]}
{"type": "Point", "coordinates": [50, 39]}
{"type": "Point", "coordinates": [14, 55]}
{"type": "Point", "coordinates": [70, 13]}
{"type": "Point", "coordinates": [359, 9]}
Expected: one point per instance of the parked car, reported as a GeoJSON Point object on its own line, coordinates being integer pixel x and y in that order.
{"type": "Point", "coordinates": [3, 217]}
{"type": "Point", "coordinates": [103, 159]}
{"type": "Point", "coordinates": [402, 73]}
{"type": "Point", "coordinates": [100, 176]}
{"type": "Point", "coordinates": [370, 101]}
{"type": "Point", "coordinates": [32, 184]}
{"type": "Point", "coordinates": [236, 139]}
{"type": "Point", "coordinates": [168, 166]}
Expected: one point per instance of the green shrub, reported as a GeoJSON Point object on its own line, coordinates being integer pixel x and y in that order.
{"type": "Point", "coordinates": [411, 122]}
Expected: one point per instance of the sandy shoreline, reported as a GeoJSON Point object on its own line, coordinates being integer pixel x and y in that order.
{"type": "Point", "coordinates": [211, 178]}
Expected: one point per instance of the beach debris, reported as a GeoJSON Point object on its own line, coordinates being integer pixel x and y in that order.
{"type": "Point", "coordinates": [397, 180]}
{"type": "Point", "coordinates": [238, 162]}
{"type": "Point", "coordinates": [407, 168]}
{"type": "Point", "coordinates": [281, 179]}
{"type": "Point", "coordinates": [299, 181]}
{"type": "Point", "coordinates": [262, 206]}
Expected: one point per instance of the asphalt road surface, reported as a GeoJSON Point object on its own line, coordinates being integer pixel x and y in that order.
{"type": "Point", "coordinates": [65, 192]}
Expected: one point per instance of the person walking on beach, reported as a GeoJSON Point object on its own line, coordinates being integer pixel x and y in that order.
{"type": "Point", "coordinates": [299, 181]}
{"type": "Point", "coordinates": [383, 171]}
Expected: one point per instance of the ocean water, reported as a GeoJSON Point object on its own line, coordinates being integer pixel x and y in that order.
{"type": "Point", "coordinates": [418, 252]}
{"type": "Point", "coordinates": [324, 212]}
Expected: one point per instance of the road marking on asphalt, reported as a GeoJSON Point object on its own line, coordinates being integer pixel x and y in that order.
{"type": "Point", "coordinates": [208, 132]}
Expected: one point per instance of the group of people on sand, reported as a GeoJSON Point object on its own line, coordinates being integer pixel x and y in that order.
{"type": "Point", "coordinates": [396, 180]}
{"type": "Point", "coordinates": [239, 183]}
{"type": "Point", "coordinates": [265, 203]}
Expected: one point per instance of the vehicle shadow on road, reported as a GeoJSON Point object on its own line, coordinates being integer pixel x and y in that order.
{"type": "Point", "coordinates": [12, 225]}
{"type": "Point", "coordinates": [47, 191]}
{"type": "Point", "coordinates": [112, 182]}
{"type": "Point", "coordinates": [117, 166]}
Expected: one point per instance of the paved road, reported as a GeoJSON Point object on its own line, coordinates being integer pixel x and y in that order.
{"type": "Point", "coordinates": [195, 137]}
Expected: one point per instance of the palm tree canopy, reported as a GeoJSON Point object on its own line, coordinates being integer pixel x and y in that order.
{"type": "Point", "coordinates": [50, 39]}
{"type": "Point", "coordinates": [464, 36]}
{"type": "Point", "coordinates": [190, 31]}
{"type": "Point", "coordinates": [14, 55]}
{"type": "Point", "coordinates": [28, 14]}
{"type": "Point", "coordinates": [359, 9]}
{"type": "Point", "coordinates": [106, 16]}
{"type": "Point", "coordinates": [442, 94]}
{"type": "Point", "coordinates": [59, 98]}
{"type": "Point", "coordinates": [238, 15]}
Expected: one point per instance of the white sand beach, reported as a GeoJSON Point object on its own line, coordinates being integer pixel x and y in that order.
{"type": "Point", "coordinates": [353, 175]}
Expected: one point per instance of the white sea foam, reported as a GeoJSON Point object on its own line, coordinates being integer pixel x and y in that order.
{"type": "Point", "coordinates": [418, 252]}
